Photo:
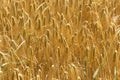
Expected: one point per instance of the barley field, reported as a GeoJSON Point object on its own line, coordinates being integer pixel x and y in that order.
{"type": "Point", "coordinates": [59, 39]}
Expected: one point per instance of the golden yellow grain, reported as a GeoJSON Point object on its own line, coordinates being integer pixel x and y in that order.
{"type": "Point", "coordinates": [59, 39]}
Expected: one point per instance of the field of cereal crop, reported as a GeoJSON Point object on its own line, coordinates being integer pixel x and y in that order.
{"type": "Point", "coordinates": [59, 39]}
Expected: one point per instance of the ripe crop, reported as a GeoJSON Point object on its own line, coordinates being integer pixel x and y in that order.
{"type": "Point", "coordinates": [59, 39]}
